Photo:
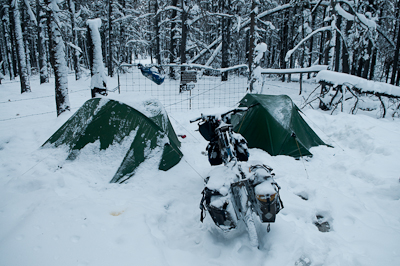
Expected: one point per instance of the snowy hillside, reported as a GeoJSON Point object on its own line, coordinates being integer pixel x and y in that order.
{"type": "Point", "coordinates": [58, 212]}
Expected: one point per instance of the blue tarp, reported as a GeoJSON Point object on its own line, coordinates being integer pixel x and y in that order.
{"type": "Point", "coordinates": [152, 74]}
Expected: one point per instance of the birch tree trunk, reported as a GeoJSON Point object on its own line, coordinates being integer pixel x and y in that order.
{"type": "Point", "coordinates": [110, 35]}
{"type": "Point", "coordinates": [226, 37]}
{"type": "Point", "coordinates": [322, 43]}
{"type": "Point", "coordinates": [75, 57]}
{"type": "Point", "coordinates": [252, 44]}
{"type": "Point", "coordinates": [24, 28]}
{"type": "Point", "coordinates": [57, 57]}
{"type": "Point", "coordinates": [284, 42]}
{"type": "Point", "coordinates": [338, 44]}
{"type": "Point", "coordinates": [122, 52]}
{"type": "Point", "coordinates": [184, 32]}
{"type": "Point", "coordinates": [23, 71]}
{"type": "Point", "coordinates": [156, 27]}
{"type": "Point", "coordinates": [373, 63]}
{"type": "Point", "coordinates": [41, 44]}
{"type": "Point", "coordinates": [367, 62]}
{"type": "Point", "coordinates": [332, 43]}
{"type": "Point", "coordinates": [172, 47]}
{"type": "Point", "coordinates": [310, 59]}
{"type": "Point", "coordinates": [345, 52]}
{"type": "Point", "coordinates": [396, 55]}
{"type": "Point", "coordinates": [291, 39]}
{"type": "Point", "coordinates": [7, 43]}
{"type": "Point", "coordinates": [13, 45]}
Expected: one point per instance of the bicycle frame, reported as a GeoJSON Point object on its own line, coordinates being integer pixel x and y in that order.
{"type": "Point", "coordinates": [225, 143]}
{"type": "Point", "coordinates": [244, 194]}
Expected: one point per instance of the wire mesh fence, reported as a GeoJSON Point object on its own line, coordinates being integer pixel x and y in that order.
{"type": "Point", "coordinates": [206, 92]}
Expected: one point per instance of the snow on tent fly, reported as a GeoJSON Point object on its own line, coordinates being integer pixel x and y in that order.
{"type": "Point", "coordinates": [111, 122]}
{"type": "Point", "coordinates": [152, 74]}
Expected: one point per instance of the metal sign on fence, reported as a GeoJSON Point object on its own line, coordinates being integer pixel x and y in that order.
{"type": "Point", "coordinates": [188, 80]}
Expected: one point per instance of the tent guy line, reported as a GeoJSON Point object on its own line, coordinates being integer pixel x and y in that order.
{"type": "Point", "coordinates": [36, 98]}
{"type": "Point", "coordinates": [25, 116]}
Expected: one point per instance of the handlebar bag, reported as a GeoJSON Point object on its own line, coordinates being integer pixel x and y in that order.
{"type": "Point", "coordinates": [207, 131]}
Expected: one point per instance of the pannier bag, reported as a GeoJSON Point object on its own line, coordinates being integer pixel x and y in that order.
{"type": "Point", "coordinates": [269, 205]}
{"type": "Point", "coordinates": [220, 209]}
{"type": "Point", "coordinates": [267, 195]}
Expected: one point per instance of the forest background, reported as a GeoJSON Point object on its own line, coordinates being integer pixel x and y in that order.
{"type": "Point", "coordinates": [41, 37]}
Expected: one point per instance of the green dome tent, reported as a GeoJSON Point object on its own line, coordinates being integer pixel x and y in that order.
{"type": "Point", "coordinates": [111, 122]}
{"type": "Point", "coordinates": [275, 125]}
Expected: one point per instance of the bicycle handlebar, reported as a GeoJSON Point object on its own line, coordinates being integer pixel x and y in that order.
{"type": "Point", "coordinates": [196, 119]}
{"type": "Point", "coordinates": [234, 111]}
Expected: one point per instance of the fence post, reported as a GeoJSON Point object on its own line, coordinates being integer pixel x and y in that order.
{"type": "Point", "coordinates": [119, 84]}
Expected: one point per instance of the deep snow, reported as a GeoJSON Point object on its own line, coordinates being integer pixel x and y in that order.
{"type": "Point", "coordinates": [58, 212]}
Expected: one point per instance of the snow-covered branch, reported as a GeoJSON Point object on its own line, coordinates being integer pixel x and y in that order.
{"type": "Point", "coordinates": [369, 23]}
{"type": "Point", "coordinates": [120, 19]}
{"type": "Point", "coordinates": [268, 12]}
{"type": "Point", "coordinates": [214, 54]}
{"type": "Point", "coordinates": [77, 48]}
{"type": "Point", "coordinates": [168, 8]}
{"type": "Point", "coordinates": [290, 52]}
{"type": "Point", "coordinates": [363, 85]}
{"type": "Point", "coordinates": [267, 23]}
{"type": "Point", "coordinates": [206, 50]}
{"type": "Point", "coordinates": [221, 70]}
{"type": "Point", "coordinates": [315, 68]}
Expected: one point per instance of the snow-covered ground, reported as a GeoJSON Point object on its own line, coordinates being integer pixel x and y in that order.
{"type": "Point", "coordinates": [58, 212]}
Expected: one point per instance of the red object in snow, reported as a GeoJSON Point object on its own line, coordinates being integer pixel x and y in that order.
{"type": "Point", "coordinates": [182, 136]}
